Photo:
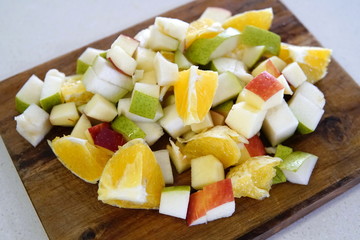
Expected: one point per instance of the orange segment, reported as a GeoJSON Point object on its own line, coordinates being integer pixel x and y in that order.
{"type": "Point", "coordinates": [219, 141]}
{"type": "Point", "coordinates": [132, 178]}
{"type": "Point", "coordinates": [194, 92]}
{"type": "Point", "coordinates": [73, 90]}
{"type": "Point", "coordinates": [202, 28]}
{"type": "Point", "coordinates": [258, 18]}
{"type": "Point", "coordinates": [312, 60]}
{"type": "Point", "coordinates": [253, 178]}
{"type": "Point", "coordinates": [82, 158]}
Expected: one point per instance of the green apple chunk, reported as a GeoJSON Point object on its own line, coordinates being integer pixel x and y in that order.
{"type": "Point", "coordinates": [64, 114]}
{"type": "Point", "coordinates": [203, 50]}
{"type": "Point", "coordinates": [182, 61]}
{"type": "Point", "coordinates": [123, 108]}
{"type": "Point", "coordinates": [86, 59]}
{"type": "Point", "coordinates": [81, 126]}
{"type": "Point", "coordinates": [298, 166]}
{"type": "Point", "coordinates": [33, 124]}
{"type": "Point", "coordinates": [174, 201]}
{"type": "Point", "coordinates": [282, 151]}
{"type": "Point", "coordinates": [224, 108]}
{"type": "Point", "coordinates": [145, 100]}
{"type": "Point", "coordinates": [100, 109]}
{"type": "Point", "coordinates": [307, 113]}
{"type": "Point", "coordinates": [225, 64]}
{"type": "Point", "coordinates": [163, 158]}
{"type": "Point", "coordinates": [28, 94]}
{"type": "Point", "coordinates": [279, 177]}
{"type": "Point", "coordinates": [158, 41]}
{"type": "Point", "coordinates": [228, 87]}
{"type": "Point", "coordinates": [254, 36]}
{"type": "Point", "coordinates": [127, 128]}
{"type": "Point", "coordinates": [51, 90]}
{"type": "Point", "coordinates": [252, 55]}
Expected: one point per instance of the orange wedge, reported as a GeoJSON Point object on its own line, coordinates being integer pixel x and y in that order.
{"type": "Point", "coordinates": [202, 28]}
{"type": "Point", "coordinates": [132, 178]}
{"type": "Point", "coordinates": [82, 158]}
{"type": "Point", "coordinates": [258, 18]}
{"type": "Point", "coordinates": [194, 92]}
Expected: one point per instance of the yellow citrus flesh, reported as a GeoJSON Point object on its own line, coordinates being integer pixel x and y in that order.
{"type": "Point", "coordinates": [194, 92]}
{"type": "Point", "coordinates": [253, 178]}
{"type": "Point", "coordinates": [258, 18]}
{"type": "Point", "coordinates": [132, 178]}
{"type": "Point", "coordinates": [73, 90]}
{"type": "Point", "coordinates": [82, 158]}
{"type": "Point", "coordinates": [312, 60]}
{"type": "Point", "coordinates": [220, 141]}
{"type": "Point", "coordinates": [202, 28]}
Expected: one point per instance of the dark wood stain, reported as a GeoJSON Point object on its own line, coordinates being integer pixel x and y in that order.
{"type": "Point", "coordinates": [69, 209]}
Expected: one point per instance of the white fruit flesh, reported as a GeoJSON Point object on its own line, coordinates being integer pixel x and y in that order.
{"type": "Point", "coordinates": [128, 44]}
{"type": "Point", "coordinates": [252, 55]}
{"type": "Point", "coordinates": [122, 60]}
{"type": "Point", "coordinates": [311, 92]}
{"type": "Point", "coordinates": [100, 108]}
{"type": "Point", "coordinates": [217, 14]}
{"type": "Point", "coordinates": [229, 44]}
{"type": "Point", "coordinates": [202, 126]}
{"type": "Point", "coordinates": [258, 102]}
{"type": "Point", "coordinates": [279, 124]}
{"type": "Point", "coordinates": [228, 87]}
{"type": "Point", "coordinates": [81, 126]}
{"type": "Point", "coordinates": [33, 124]}
{"type": "Point", "coordinates": [163, 158]}
{"type": "Point", "coordinates": [294, 74]}
{"type": "Point", "coordinates": [124, 106]}
{"type": "Point", "coordinates": [30, 92]}
{"type": "Point", "coordinates": [224, 210]}
{"type": "Point", "coordinates": [245, 119]}
{"type": "Point", "coordinates": [148, 89]}
{"type": "Point", "coordinates": [306, 112]}
{"type": "Point", "coordinates": [89, 55]}
{"type": "Point", "coordinates": [287, 89]}
{"type": "Point", "coordinates": [153, 131]}
{"type": "Point", "coordinates": [172, 123]}
{"type": "Point", "coordinates": [180, 162]}
{"type": "Point", "coordinates": [182, 61]}
{"type": "Point", "coordinates": [143, 37]}
{"type": "Point", "coordinates": [224, 64]}
{"type": "Point", "coordinates": [172, 27]}
{"type": "Point", "coordinates": [206, 170]}
{"type": "Point", "coordinates": [65, 115]}
{"type": "Point", "coordinates": [145, 58]}
{"type": "Point", "coordinates": [166, 72]}
{"type": "Point", "coordinates": [51, 88]}
{"type": "Point", "coordinates": [158, 41]}
{"type": "Point", "coordinates": [174, 201]}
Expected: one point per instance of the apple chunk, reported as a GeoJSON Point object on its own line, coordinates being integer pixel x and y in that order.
{"type": "Point", "coordinates": [51, 90]}
{"type": "Point", "coordinates": [81, 127]}
{"type": "Point", "coordinates": [174, 201]}
{"type": "Point", "coordinates": [166, 72]}
{"type": "Point", "coordinates": [197, 209]}
{"type": "Point", "coordinates": [206, 170]}
{"type": "Point", "coordinates": [64, 114]}
{"type": "Point", "coordinates": [145, 100]}
{"type": "Point", "coordinates": [228, 87]}
{"type": "Point", "coordinates": [86, 59]}
{"type": "Point", "coordinates": [172, 27]}
{"type": "Point", "coordinates": [294, 74]}
{"type": "Point", "coordinates": [122, 60]}
{"type": "Point", "coordinates": [163, 158]}
{"type": "Point", "coordinates": [100, 109]}
{"type": "Point", "coordinates": [127, 128]}
{"type": "Point", "coordinates": [217, 14]}
{"type": "Point", "coordinates": [128, 44]}
{"type": "Point", "coordinates": [28, 94]}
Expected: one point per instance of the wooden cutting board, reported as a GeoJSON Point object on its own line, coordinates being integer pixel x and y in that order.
{"type": "Point", "coordinates": [69, 209]}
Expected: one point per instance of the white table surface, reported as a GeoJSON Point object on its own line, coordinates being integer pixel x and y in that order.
{"type": "Point", "coordinates": [33, 32]}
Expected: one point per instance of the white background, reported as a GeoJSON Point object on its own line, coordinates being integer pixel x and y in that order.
{"type": "Point", "coordinates": [33, 32]}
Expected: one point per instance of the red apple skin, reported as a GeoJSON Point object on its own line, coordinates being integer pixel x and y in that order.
{"type": "Point", "coordinates": [218, 193]}
{"type": "Point", "coordinates": [264, 85]}
{"type": "Point", "coordinates": [255, 147]}
{"type": "Point", "coordinates": [272, 69]}
{"type": "Point", "coordinates": [197, 207]}
{"type": "Point", "coordinates": [109, 139]}
{"type": "Point", "coordinates": [94, 130]}
{"type": "Point", "coordinates": [118, 69]}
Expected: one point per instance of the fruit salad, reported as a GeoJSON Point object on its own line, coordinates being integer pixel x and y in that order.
{"type": "Point", "coordinates": [224, 91]}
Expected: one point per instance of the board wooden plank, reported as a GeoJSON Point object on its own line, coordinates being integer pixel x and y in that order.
{"type": "Point", "coordinates": [69, 209]}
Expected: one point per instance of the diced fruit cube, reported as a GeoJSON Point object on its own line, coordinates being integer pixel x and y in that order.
{"type": "Point", "coordinates": [64, 114]}
{"type": "Point", "coordinates": [217, 14]}
{"type": "Point", "coordinates": [29, 93]}
{"type": "Point", "coordinates": [145, 100]}
{"type": "Point", "coordinates": [81, 127]}
{"type": "Point", "coordinates": [294, 74]}
{"type": "Point", "coordinates": [127, 128]}
{"type": "Point", "coordinates": [100, 109]}
{"type": "Point", "coordinates": [166, 72]}
{"type": "Point", "coordinates": [153, 131]}
{"type": "Point", "coordinates": [311, 92]}
{"type": "Point", "coordinates": [180, 162]}
{"type": "Point", "coordinates": [163, 158]}
{"type": "Point", "coordinates": [51, 90]}
{"type": "Point", "coordinates": [122, 60]}
{"type": "Point", "coordinates": [145, 58]}
{"type": "Point", "coordinates": [86, 59]}
{"type": "Point", "coordinates": [197, 209]}
{"type": "Point", "coordinates": [206, 170]}
{"type": "Point", "coordinates": [172, 123]}
{"type": "Point", "coordinates": [159, 41]}
{"type": "Point", "coordinates": [172, 27]}
{"type": "Point", "coordinates": [202, 126]}
{"type": "Point", "coordinates": [33, 124]}
{"type": "Point", "coordinates": [228, 87]}
{"type": "Point", "coordinates": [128, 44]}
{"type": "Point", "coordinates": [174, 201]}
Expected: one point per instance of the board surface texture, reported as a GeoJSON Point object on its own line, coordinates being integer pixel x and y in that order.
{"type": "Point", "coordinates": [69, 209]}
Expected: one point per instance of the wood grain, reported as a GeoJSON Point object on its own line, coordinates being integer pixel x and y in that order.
{"type": "Point", "coordinates": [69, 209]}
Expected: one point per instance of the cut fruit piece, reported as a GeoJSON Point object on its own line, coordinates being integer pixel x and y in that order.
{"type": "Point", "coordinates": [279, 124]}
{"type": "Point", "coordinates": [252, 54]}
{"type": "Point", "coordinates": [298, 166]}
{"type": "Point", "coordinates": [279, 177]}
{"type": "Point", "coordinates": [267, 66]}
{"type": "Point", "coordinates": [253, 178]}
{"type": "Point", "coordinates": [163, 158]}
{"type": "Point", "coordinates": [307, 113]}
{"type": "Point", "coordinates": [172, 123]}
{"type": "Point", "coordinates": [29, 93]}
{"type": "Point", "coordinates": [33, 124]}
{"type": "Point", "coordinates": [128, 44]}
{"type": "Point", "coordinates": [245, 119]}
{"type": "Point", "coordinates": [51, 90]}
{"type": "Point", "coordinates": [105, 137]}
{"type": "Point", "coordinates": [204, 125]}
{"type": "Point", "coordinates": [123, 61]}
{"type": "Point", "coordinates": [159, 41]}
{"type": "Point", "coordinates": [197, 209]}
{"type": "Point", "coordinates": [217, 118]}
{"type": "Point", "coordinates": [194, 93]}
{"type": "Point", "coordinates": [312, 60]}
{"type": "Point", "coordinates": [79, 156]}
{"type": "Point", "coordinates": [145, 100]}
{"type": "Point", "coordinates": [172, 27]}
{"type": "Point", "coordinates": [254, 36]}
{"type": "Point", "coordinates": [180, 162]}
{"type": "Point", "coordinates": [132, 178]}
{"type": "Point", "coordinates": [174, 201]}
{"type": "Point", "coordinates": [202, 28]}
{"type": "Point", "coordinates": [81, 126]}
{"type": "Point", "coordinates": [226, 64]}
{"type": "Point", "coordinates": [127, 128]}
{"type": "Point", "coordinates": [311, 92]}
{"type": "Point", "coordinates": [144, 58]}
{"type": "Point", "coordinates": [153, 131]}
{"type": "Point", "coordinates": [182, 61]}
{"type": "Point", "coordinates": [287, 88]}
{"type": "Point", "coordinates": [255, 147]}
{"type": "Point", "coordinates": [124, 107]}
{"type": "Point", "coordinates": [203, 50]}
{"type": "Point", "coordinates": [100, 109]}
{"type": "Point", "coordinates": [220, 202]}
{"type": "Point", "coordinates": [64, 114]}
{"type": "Point", "coordinates": [149, 78]}
{"type": "Point", "coordinates": [73, 90]}
{"type": "Point", "coordinates": [294, 74]}
{"type": "Point", "coordinates": [220, 141]}
{"type": "Point", "coordinates": [86, 59]}
{"type": "Point", "coordinates": [228, 87]}
{"type": "Point", "coordinates": [216, 14]}
{"type": "Point", "coordinates": [224, 108]}
{"type": "Point", "coordinates": [259, 18]}
{"type": "Point", "coordinates": [283, 151]}
{"type": "Point", "coordinates": [263, 92]}
{"type": "Point", "coordinates": [205, 170]}
{"type": "Point", "coordinates": [166, 72]}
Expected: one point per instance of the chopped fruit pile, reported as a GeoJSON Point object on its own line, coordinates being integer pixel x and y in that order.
{"type": "Point", "coordinates": [217, 86]}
